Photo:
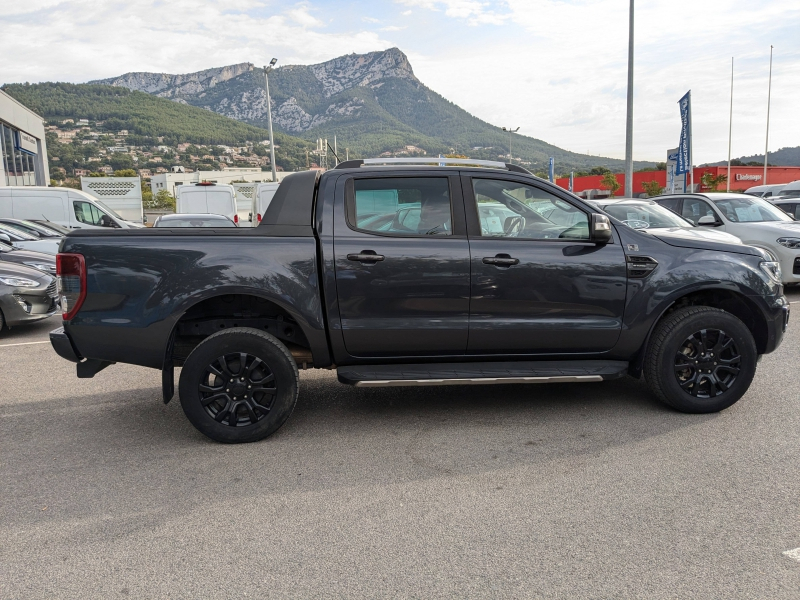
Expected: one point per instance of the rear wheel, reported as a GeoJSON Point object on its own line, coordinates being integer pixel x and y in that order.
{"type": "Point", "coordinates": [239, 385]}
{"type": "Point", "coordinates": [700, 359]}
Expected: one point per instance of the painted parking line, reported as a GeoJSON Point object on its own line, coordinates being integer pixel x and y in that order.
{"type": "Point", "coordinates": [23, 344]}
{"type": "Point", "coordinates": [795, 554]}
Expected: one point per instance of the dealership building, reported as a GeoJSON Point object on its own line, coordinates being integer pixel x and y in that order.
{"type": "Point", "coordinates": [23, 149]}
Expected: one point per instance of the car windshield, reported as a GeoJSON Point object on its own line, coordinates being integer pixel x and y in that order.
{"type": "Point", "coordinates": [750, 210]}
{"type": "Point", "coordinates": [18, 233]}
{"type": "Point", "coordinates": [199, 221]}
{"type": "Point", "coordinates": [108, 210]}
{"type": "Point", "coordinates": [644, 215]}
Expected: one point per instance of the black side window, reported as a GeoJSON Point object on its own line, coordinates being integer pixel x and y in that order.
{"type": "Point", "coordinates": [405, 206]}
{"type": "Point", "coordinates": [672, 204]}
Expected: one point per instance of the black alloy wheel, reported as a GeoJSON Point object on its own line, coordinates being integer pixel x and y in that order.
{"type": "Point", "coordinates": [707, 363]}
{"type": "Point", "coordinates": [237, 389]}
{"type": "Point", "coordinates": [700, 359]}
{"type": "Point", "coordinates": [239, 385]}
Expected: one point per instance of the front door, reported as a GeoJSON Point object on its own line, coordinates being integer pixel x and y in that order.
{"type": "Point", "coordinates": [402, 266]}
{"type": "Point", "coordinates": [538, 285]}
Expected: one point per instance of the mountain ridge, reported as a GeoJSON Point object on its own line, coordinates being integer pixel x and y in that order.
{"type": "Point", "coordinates": [372, 102]}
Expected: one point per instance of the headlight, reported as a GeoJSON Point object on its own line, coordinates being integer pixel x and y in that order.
{"type": "Point", "coordinates": [789, 242]}
{"type": "Point", "coordinates": [19, 282]}
{"type": "Point", "coordinates": [42, 267]}
{"type": "Point", "coordinates": [772, 269]}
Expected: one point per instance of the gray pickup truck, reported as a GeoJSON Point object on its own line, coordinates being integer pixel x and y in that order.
{"type": "Point", "coordinates": [396, 274]}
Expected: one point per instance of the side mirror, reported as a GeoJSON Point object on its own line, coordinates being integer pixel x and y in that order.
{"type": "Point", "coordinates": [4, 238]}
{"type": "Point", "coordinates": [600, 230]}
{"type": "Point", "coordinates": [707, 221]}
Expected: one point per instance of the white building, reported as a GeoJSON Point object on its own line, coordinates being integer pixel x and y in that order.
{"type": "Point", "coordinates": [171, 181]}
{"type": "Point", "coordinates": [23, 149]}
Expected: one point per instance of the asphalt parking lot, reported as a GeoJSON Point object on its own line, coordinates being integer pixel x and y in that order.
{"type": "Point", "coordinates": [560, 491]}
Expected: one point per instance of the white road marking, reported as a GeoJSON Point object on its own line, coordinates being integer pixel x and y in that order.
{"type": "Point", "coordinates": [795, 554]}
{"type": "Point", "coordinates": [22, 344]}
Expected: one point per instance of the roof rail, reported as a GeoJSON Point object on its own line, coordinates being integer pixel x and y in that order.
{"type": "Point", "coordinates": [432, 162]}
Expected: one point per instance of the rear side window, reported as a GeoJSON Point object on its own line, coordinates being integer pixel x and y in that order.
{"type": "Point", "coordinates": [670, 203]}
{"type": "Point", "coordinates": [406, 206]}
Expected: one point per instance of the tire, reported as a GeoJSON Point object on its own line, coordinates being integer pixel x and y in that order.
{"type": "Point", "coordinates": [222, 406]}
{"type": "Point", "coordinates": [697, 376]}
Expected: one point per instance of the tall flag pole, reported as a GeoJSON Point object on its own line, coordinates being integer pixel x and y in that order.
{"type": "Point", "coordinates": [552, 170]}
{"type": "Point", "coordinates": [769, 97]}
{"type": "Point", "coordinates": [730, 131]}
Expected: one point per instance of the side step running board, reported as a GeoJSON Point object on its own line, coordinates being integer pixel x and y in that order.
{"type": "Point", "coordinates": [483, 373]}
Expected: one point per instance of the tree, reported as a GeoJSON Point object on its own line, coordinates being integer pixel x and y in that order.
{"type": "Point", "coordinates": [125, 173]}
{"type": "Point", "coordinates": [162, 201]}
{"type": "Point", "coordinates": [609, 182]}
{"type": "Point", "coordinates": [600, 171]}
{"type": "Point", "coordinates": [712, 181]}
{"type": "Point", "coordinates": [652, 188]}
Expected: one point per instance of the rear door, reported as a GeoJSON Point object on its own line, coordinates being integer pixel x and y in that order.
{"type": "Point", "coordinates": [402, 265]}
{"type": "Point", "coordinates": [539, 286]}
{"type": "Point", "coordinates": [192, 201]}
{"type": "Point", "coordinates": [220, 202]}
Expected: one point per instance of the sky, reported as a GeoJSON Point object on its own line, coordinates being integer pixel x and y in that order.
{"type": "Point", "coordinates": [555, 68]}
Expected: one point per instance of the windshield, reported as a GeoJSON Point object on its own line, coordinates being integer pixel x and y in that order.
{"type": "Point", "coordinates": [13, 231]}
{"type": "Point", "coordinates": [645, 215]}
{"type": "Point", "coordinates": [108, 210]}
{"type": "Point", "coordinates": [750, 210]}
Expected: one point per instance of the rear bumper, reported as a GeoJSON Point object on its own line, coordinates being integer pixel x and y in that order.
{"type": "Point", "coordinates": [62, 344]}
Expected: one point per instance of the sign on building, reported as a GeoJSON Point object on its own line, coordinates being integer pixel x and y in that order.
{"type": "Point", "coordinates": [26, 142]}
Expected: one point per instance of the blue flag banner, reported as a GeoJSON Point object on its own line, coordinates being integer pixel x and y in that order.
{"type": "Point", "coordinates": [552, 169]}
{"type": "Point", "coordinates": [684, 147]}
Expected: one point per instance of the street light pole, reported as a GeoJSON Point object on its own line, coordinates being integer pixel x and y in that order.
{"type": "Point", "coordinates": [769, 97]}
{"type": "Point", "coordinates": [629, 120]}
{"type": "Point", "coordinates": [510, 131]}
{"type": "Point", "coordinates": [267, 69]}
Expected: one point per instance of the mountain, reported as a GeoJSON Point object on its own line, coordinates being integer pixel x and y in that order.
{"type": "Point", "coordinates": [373, 103]}
{"type": "Point", "coordinates": [149, 119]}
{"type": "Point", "coordinates": [785, 157]}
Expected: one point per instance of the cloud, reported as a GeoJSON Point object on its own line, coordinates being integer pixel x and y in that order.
{"type": "Point", "coordinates": [370, 20]}
{"type": "Point", "coordinates": [392, 28]}
{"type": "Point", "coordinates": [473, 11]}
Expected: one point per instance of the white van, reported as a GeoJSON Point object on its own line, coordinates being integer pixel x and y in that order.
{"type": "Point", "coordinates": [263, 196]}
{"type": "Point", "coordinates": [766, 191]}
{"type": "Point", "coordinates": [63, 206]}
{"type": "Point", "coordinates": [123, 195]}
{"type": "Point", "coordinates": [207, 199]}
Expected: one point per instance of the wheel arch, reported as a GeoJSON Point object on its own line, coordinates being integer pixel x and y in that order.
{"type": "Point", "coordinates": [736, 303]}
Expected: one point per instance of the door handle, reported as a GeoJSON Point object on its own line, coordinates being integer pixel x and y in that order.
{"type": "Point", "coordinates": [366, 256]}
{"type": "Point", "coordinates": [501, 260]}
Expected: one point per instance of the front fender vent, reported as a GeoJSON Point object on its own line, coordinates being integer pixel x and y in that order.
{"type": "Point", "coordinates": [641, 266]}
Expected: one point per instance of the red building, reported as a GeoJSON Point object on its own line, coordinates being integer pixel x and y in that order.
{"type": "Point", "coordinates": [742, 178]}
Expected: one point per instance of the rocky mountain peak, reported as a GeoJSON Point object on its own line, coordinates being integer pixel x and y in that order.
{"type": "Point", "coordinates": [354, 70]}
{"type": "Point", "coordinates": [171, 86]}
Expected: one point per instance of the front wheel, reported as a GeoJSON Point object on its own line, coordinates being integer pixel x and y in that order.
{"type": "Point", "coordinates": [239, 385]}
{"type": "Point", "coordinates": [700, 359]}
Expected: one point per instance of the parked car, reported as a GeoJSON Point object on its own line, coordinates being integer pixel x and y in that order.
{"type": "Point", "coordinates": [26, 295]}
{"type": "Point", "coordinates": [52, 226]}
{"type": "Point", "coordinates": [791, 206]}
{"type": "Point", "coordinates": [37, 260]}
{"type": "Point", "coordinates": [31, 228]}
{"type": "Point", "coordinates": [649, 216]}
{"type": "Point", "coordinates": [562, 294]}
{"type": "Point", "coordinates": [207, 198]}
{"type": "Point", "coordinates": [766, 191]}
{"type": "Point", "coordinates": [193, 221]}
{"type": "Point", "coordinates": [67, 207]}
{"type": "Point", "coordinates": [790, 190]}
{"type": "Point", "coordinates": [753, 220]}
{"type": "Point", "coordinates": [26, 241]}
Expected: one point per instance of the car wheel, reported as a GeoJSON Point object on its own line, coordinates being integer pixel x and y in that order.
{"type": "Point", "coordinates": [239, 385]}
{"type": "Point", "coordinates": [700, 359]}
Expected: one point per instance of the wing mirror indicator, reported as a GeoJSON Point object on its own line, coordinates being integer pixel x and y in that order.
{"type": "Point", "coordinates": [601, 229]}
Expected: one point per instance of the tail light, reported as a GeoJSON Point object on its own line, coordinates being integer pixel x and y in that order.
{"type": "Point", "coordinates": [71, 277]}
{"type": "Point", "coordinates": [236, 219]}
{"type": "Point", "coordinates": [258, 217]}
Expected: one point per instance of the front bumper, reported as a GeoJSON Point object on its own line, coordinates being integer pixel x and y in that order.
{"type": "Point", "coordinates": [777, 318]}
{"type": "Point", "coordinates": [24, 307]}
